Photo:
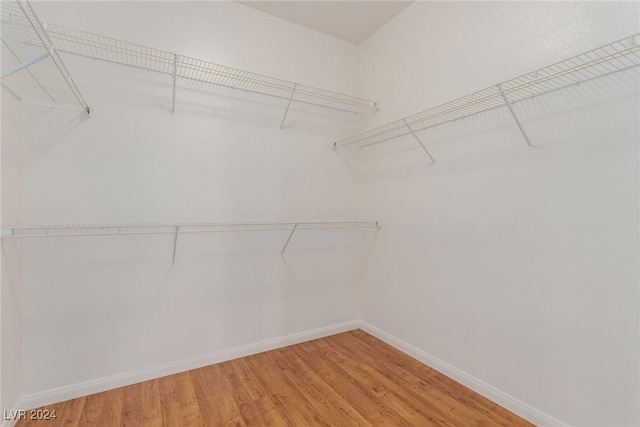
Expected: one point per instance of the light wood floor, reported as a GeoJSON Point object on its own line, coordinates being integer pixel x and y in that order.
{"type": "Point", "coordinates": [350, 379]}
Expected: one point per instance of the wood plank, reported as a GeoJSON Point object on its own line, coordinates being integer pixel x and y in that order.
{"type": "Point", "coordinates": [72, 410]}
{"type": "Point", "coordinates": [323, 408]}
{"type": "Point", "coordinates": [250, 385]}
{"type": "Point", "coordinates": [151, 409]}
{"type": "Point", "coordinates": [433, 400]}
{"type": "Point", "coordinates": [349, 388]}
{"type": "Point", "coordinates": [255, 409]}
{"type": "Point", "coordinates": [324, 398]}
{"type": "Point", "coordinates": [295, 408]}
{"type": "Point", "coordinates": [217, 406]}
{"type": "Point", "coordinates": [141, 405]}
{"type": "Point", "coordinates": [132, 405]}
{"type": "Point", "coordinates": [102, 409]}
{"type": "Point", "coordinates": [384, 391]}
{"type": "Point", "coordinates": [269, 413]}
{"type": "Point", "coordinates": [94, 408]}
{"type": "Point", "coordinates": [178, 401]}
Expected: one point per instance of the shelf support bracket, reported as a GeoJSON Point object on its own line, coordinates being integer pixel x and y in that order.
{"type": "Point", "coordinates": [288, 105]}
{"type": "Point", "coordinates": [293, 230]}
{"type": "Point", "coordinates": [175, 245]}
{"type": "Point", "coordinates": [418, 139]}
{"type": "Point", "coordinates": [175, 69]}
{"type": "Point", "coordinates": [515, 117]}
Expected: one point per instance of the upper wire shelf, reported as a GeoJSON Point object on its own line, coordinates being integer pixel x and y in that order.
{"type": "Point", "coordinates": [612, 58]}
{"type": "Point", "coordinates": [31, 67]}
{"type": "Point", "coordinates": [112, 50]}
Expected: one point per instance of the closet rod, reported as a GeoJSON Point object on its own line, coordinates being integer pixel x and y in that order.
{"type": "Point", "coordinates": [180, 228]}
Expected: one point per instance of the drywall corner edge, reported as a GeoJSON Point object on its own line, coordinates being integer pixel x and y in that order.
{"type": "Point", "coordinates": [12, 422]}
{"type": "Point", "coordinates": [527, 412]}
{"type": "Point", "coordinates": [120, 380]}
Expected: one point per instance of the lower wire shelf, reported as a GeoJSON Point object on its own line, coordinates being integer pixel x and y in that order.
{"type": "Point", "coordinates": [123, 229]}
{"type": "Point", "coordinates": [46, 231]}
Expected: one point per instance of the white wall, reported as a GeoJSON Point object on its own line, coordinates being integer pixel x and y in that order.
{"type": "Point", "coordinates": [105, 307]}
{"type": "Point", "coordinates": [11, 272]}
{"type": "Point", "coordinates": [518, 267]}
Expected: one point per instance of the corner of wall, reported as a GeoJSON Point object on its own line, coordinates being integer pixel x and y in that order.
{"type": "Point", "coordinates": [501, 398]}
{"type": "Point", "coordinates": [10, 275]}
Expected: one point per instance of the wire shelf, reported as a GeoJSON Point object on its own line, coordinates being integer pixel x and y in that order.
{"type": "Point", "coordinates": [178, 228]}
{"type": "Point", "coordinates": [46, 231]}
{"type": "Point", "coordinates": [615, 57]}
{"type": "Point", "coordinates": [31, 68]}
{"type": "Point", "coordinates": [116, 51]}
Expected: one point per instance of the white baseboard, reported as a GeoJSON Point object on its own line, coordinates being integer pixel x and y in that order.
{"type": "Point", "coordinates": [107, 383]}
{"type": "Point", "coordinates": [503, 399]}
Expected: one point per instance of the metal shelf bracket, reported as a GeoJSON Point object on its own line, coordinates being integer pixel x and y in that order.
{"type": "Point", "coordinates": [288, 105]}
{"type": "Point", "coordinates": [181, 68]}
{"type": "Point", "coordinates": [515, 117]}
{"type": "Point", "coordinates": [419, 142]}
{"type": "Point", "coordinates": [175, 245]}
{"type": "Point", "coordinates": [293, 230]}
{"type": "Point", "coordinates": [615, 57]}
{"type": "Point", "coordinates": [175, 69]}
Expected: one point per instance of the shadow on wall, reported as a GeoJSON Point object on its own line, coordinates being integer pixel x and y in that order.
{"type": "Point", "coordinates": [103, 305]}
{"type": "Point", "coordinates": [104, 82]}
{"type": "Point", "coordinates": [118, 94]}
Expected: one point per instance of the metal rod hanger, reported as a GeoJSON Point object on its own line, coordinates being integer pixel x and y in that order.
{"type": "Point", "coordinates": [186, 228]}
{"type": "Point", "coordinates": [419, 142]}
{"type": "Point", "coordinates": [284, 248]}
{"type": "Point", "coordinates": [612, 58]}
{"type": "Point", "coordinates": [26, 46]}
{"type": "Point", "coordinates": [182, 67]}
{"type": "Point", "coordinates": [293, 92]}
{"type": "Point", "coordinates": [515, 117]}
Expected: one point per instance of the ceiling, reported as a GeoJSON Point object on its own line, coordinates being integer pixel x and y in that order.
{"type": "Point", "coordinates": [352, 21]}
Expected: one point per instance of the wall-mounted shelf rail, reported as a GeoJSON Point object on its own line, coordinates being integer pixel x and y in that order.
{"type": "Point", "coordinates": [615, 57]}
{"type": "Point", "coordinates": [31, 66]}
{"type": "Point", "coordinates": [47, 231]}
{"type": "Point", "coordinates": [177, 66]}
